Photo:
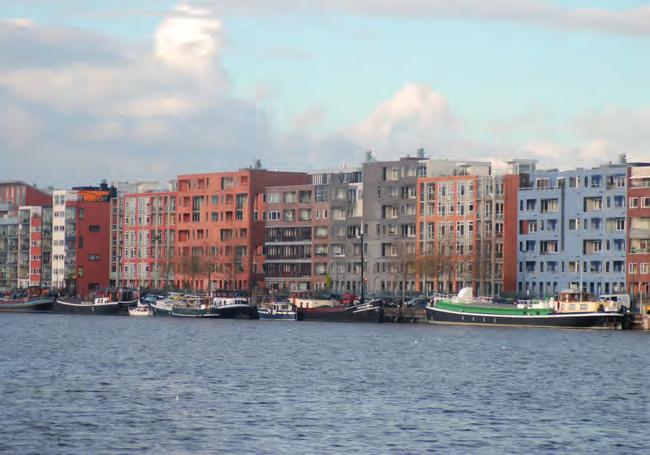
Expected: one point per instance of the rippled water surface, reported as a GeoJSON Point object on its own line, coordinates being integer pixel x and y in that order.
{"type": "Point", "coordinates": [93, 384]}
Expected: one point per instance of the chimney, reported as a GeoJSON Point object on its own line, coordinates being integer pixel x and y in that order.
{"type": "Point", "coordinates": [369, 157]}
{"type": "Point", "coordinates": [420, 152]}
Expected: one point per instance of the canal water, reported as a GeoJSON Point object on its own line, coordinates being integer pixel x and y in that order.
{"type": "Point", "coordinates": [84, 384]}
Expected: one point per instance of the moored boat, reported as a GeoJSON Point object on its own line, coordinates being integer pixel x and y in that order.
{"type": "Point", "coordinates": [96, 305]}
{"type": "Point", "coordinates": [564, 312]}
{"type": "Point", "coordinates": [140, 310]}
{"type": "Point", "coordinates": [191, 306]}
{"type": "Point", "coordinates": [278, 311]}
{"type": "Point", "coordinates": [369, 312]}
{"type": "Point", "coordinates": [27, 301]}
{"type": "Point", "coordinates": [163, 307]}
{"type": "Point", "coordinates": [108, 302]}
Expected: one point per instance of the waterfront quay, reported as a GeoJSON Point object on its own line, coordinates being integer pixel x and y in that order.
{"type": "Point", "coordinates": [403, 228]}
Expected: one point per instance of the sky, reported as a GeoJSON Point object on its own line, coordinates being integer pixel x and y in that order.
{"type": "Point", "coordinates": [145, 90]}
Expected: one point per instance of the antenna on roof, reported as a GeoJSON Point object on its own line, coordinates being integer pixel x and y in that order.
{"type": "Point", "coordinates": [369, 156]}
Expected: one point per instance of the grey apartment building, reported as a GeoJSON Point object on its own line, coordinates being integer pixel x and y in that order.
{"type": "Point", "coordinates": [389, 217]}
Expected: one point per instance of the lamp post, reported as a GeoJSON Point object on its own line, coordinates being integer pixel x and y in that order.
{"type": "Point", "coordinates": [362, 264]}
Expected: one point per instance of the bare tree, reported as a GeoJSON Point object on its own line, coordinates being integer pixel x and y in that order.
{"type": "Point", "coordinates": [429, 265]}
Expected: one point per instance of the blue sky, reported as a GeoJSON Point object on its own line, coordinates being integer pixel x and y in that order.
{"type": "Point", "coordinates": [511, 80]}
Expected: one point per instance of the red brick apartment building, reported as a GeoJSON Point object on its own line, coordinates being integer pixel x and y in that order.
{"type": "Point", "coordinates": [638, 232]}
{"type": "Point", "coordinates": [220, 219]}
{"type": "Point", "coordinates": [143, 239]}
{"type": "Point", "coordinates": [461, 225]}
{"type": "Point", "coordinates": [297, 236]}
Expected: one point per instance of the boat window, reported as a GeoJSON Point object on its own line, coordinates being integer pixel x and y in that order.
{"type": "Point", "coordinates": [583, 306]}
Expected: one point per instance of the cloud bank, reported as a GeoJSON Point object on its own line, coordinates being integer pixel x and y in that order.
{"type": "Point", "coordinates": [543, 13]}
{"type": "Point", "coordinates": [76, 107]}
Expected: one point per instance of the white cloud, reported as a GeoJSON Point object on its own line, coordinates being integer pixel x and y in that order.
{"type": "Point", "coordinates": [190, 39]}
{"type": "Point", "coordinates": [539, 12]}
{"type": "Point", "coordinates": [415, 116]}
{"type": "Point", "coordinates": [127, 113]}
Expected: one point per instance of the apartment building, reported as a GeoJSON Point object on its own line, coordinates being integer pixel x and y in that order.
{"type": "Point", "coordinates": [81, 238]}
{"type": "Point", "coordinates": [390, 209]}
{"type": "Point", "coordinates": [296, 245]}
{"type": "Point", "coordinates": [30, 246]}
{"type": "Point", "coordinates": [24, 235]}
{"type": "Point", "coordinates": [220, 227]}
{"type": "Point", "coordinates": [572, 231]}
{"type": "Point", "coordinates": [638, 231]}
{"type": "Point", "coordinates": [8, 247]}
{"type": "Point", "coordinates": [143, 236]}
{"type": "Point", "coordinates": [461, 223]}
{"type": "Point", "coordinates": [344, 190]}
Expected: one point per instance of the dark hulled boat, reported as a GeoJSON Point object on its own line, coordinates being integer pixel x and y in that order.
{"type": "Point", "coordinates": [25, 301]}
{"type": "Point", "coordinates": [233, 307]}
{"type": "Point", "coordinates": [161, 308]}
{"type": "Point", "coordinates": [442, 314]}
{"type": "Point", "coordinates": [111, 302]}
{"type": "Point", "coordinates": [224, 306]}
{"type": "Point", "coordinates": [356, 313]}
{"type": "Point", "coordinates": [465, 311]}
{"type": "Point", "coordinates": [98, 305]}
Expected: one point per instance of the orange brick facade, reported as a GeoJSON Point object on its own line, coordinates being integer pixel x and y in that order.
{"type": "Point", "coordinates": [220, 219]}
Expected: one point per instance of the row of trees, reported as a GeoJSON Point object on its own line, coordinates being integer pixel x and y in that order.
{"type": "Point", "coordinates": [202, 263]}
{"type": "Point", "coordinates": [440, 266]}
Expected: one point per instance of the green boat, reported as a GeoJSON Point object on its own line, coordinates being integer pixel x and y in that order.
{"type": "Point", "coordinates": [465, 310]}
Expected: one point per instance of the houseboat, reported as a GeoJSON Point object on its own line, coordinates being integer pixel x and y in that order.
{"type": "Point", "coordinates": [108, 302]}
{"type": "Point", "coordinates": [27, 300]}
{"type": "Point", "coordinates": [278, 311]}
{"type": "Point", "coordinates": [569, 310]}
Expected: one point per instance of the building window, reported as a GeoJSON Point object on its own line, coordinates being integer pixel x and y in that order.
{"type": "Point", "coordinates": [634, 202]}
{"type": "Point", "coordinates": [80, 242]}
{"type": "Point", "coordinates": [93, 257]}
{"type": "Point", "coordinates": [93, 228]}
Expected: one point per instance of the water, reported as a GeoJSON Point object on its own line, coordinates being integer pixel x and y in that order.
{"type": "Point", "coordinates": [84, 384]}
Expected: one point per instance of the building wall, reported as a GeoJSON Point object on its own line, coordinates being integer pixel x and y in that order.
{"type": "Point", "coordinates": [344, 191]}
{"type": "Point", "coordinates": [638, 231]}
{"type": "Point", "coordinates": [571, 230]}
{"type": "Point", "coordinates": [8, 248]}
{"type": "Point", "coordinates": [93, 245]}
{"type": "Point", "coordinates": [58, 238]}
{"type": "Point", "coordinates": [29, 246]}
{"type": "Point", "coordinates": [289, 245]}
{"type": "Point", "coordinates": [81, 233]}
{"type": "Point", "coordinates": [146, 233]}
{"type": "Point", "coordinates": [220, 216]}
{"type": "Point", "coordinates": [389, 212]}
{"type": "Point", "coordinates": [511, 183]}
{"type": "Point", "coordinates": [19, 194]}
